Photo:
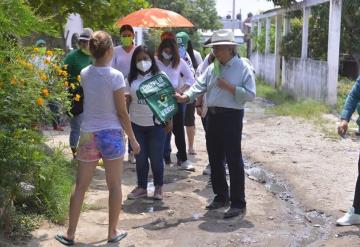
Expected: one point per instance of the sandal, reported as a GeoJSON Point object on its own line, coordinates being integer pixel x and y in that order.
{"type": "Point", "coordinates": [137, 193]}
{"type": "Point", "coordinates": [158, 195]}
{"type": "Point", "coordinates": [120, 236]}
{"type": "Point", "coordinates": [64, 240]}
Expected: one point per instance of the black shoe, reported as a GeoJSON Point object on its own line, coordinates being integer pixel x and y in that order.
{"type": "Point", "coordinates": [235, 212]}
{"type": "Point", "coordinates": [215, 205]}
{"type": "Point", "coordinates": [168, 161]}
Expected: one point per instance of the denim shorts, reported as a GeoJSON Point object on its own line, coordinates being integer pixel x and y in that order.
{"type": "Point", "coordinates": [108, 144]}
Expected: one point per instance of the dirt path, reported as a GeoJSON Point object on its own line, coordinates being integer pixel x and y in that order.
{"type": "Point", "coordinates": [304, 180]}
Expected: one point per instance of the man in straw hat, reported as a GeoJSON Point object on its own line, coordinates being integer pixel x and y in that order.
{"type": "Point", "coordinates": [229, 82]}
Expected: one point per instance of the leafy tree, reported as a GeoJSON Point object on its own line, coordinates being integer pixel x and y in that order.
{"type": "Point", "coordinates": [350, 32]}
{"type": "Point", "coordinates": [17, 18]}
{"type": "Point", "coordinates": [97, 14]}
{"type": "Point", "coordinates": [291, 45]}
{"type": "Point", "coordinates": [260, 40]}
{"type": "Point", "coordinates": [202, 13]}
{"type": "Point", "coordinates": [283, 3]}
{"type": "Point", "coordinates": [318, 32]}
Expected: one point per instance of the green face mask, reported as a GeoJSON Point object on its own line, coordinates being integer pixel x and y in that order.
{"type": "Point", "coordinates": [85, 51]}
{"type": "Point", "coordinates": [126, 41]}
{"type": "Point", "coordinates": [42, 50]}
{"type": "Point", "coordinates": [216, 67]}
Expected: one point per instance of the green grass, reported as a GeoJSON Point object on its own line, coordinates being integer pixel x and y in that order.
{"type": "Point", "coordinates": [286, 105]}
{"type": "Point", "coordinates": [343, 89]}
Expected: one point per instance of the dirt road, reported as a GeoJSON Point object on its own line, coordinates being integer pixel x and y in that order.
{"type": "Point", "coordinates": [299, 183]}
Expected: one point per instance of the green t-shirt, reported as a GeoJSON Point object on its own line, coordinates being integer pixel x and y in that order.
{"type": "Point", "coordinates": [76, 60]}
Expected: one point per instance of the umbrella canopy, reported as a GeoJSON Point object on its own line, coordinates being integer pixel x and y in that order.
{"type": "Point", "coordinates": [154, 17]}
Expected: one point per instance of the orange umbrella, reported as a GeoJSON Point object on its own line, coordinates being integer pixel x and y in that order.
{"type": "Point", "coordinates": [154, 17]}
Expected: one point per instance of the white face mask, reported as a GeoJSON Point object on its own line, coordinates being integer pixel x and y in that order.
{"type": "Point", "coordinates": [166, 56]}
{"type": "Point", "coordinates": [143, 65]}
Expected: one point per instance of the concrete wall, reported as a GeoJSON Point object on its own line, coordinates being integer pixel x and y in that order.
{"type": "Point", "coordinates": [264, 65]}
{"type": "Point", "coordinates": [305, 78]}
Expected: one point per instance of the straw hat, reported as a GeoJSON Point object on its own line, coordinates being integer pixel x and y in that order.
{"type": "Point", "coordinates": [222, 37]}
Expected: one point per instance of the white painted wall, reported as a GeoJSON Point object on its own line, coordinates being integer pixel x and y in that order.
{"type": "Point", "coordinates": [264, 65]}
{"type": "Point", "coordinates": [73, 25]}
{"type": "Point", "coordinates": [305, 78]}
{"type": "Point", "coordinates": [138, 35]}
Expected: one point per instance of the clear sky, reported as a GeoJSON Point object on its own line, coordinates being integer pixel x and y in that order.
{"type": "Point", "coordinates": [224, 7]}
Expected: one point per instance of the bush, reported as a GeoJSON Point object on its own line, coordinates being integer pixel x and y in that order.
{"type": "Point", "coordinates": [34, 178]}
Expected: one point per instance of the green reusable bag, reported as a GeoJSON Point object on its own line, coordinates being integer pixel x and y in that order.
{"type": "Point", "coordinates": [158, 92]}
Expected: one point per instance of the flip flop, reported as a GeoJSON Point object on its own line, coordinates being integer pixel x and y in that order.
{"type": "Point", "coordinates": [65, 241]}
{"type": "Point", "coordinates": [122, 235]}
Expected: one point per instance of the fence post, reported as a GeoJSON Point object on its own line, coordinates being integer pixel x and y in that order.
{"type": "Point", "coordinates": [267, 35]}
{"type": "Point", "coordinates": [333, 50]}
{"type": "Point", "coordinates": [286, 32]}
{"type": "Point", "coordinates": [278, 34]}
{"type": "Point", "coordinates": [305, 33]}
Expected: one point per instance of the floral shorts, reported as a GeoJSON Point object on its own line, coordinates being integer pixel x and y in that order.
{"type": "Point", "coordinates": [108, 144]}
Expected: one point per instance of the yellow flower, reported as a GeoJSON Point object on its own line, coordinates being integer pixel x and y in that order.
{"type": "Point", "coordinates": [64, 73]}
{"type": "Point", "coordinates": [66, 83]}
{"type": "Point", "coordinates": [22, 62]}
{"type": "Point", "coordinates": [49, 53]}
{"type": "Point", "coordinates": [47, 61]}
{"type": "Point", "coordinates": [59, 71]}
{"type": "Point", "coordinates": [43, 76]}
{"type": "Point", "coordinates": [40, 101]}
{"type": "Point", "coordinates": [77, 97]}
{"type": "Point", "coordinates": [78, 78]}
{"type": "Point", "coordinates": [29, 66]}
{"type": "Point", "coordinates": [36, 49]}
{"type": "Point", "coordinates": [45, 92]}
{"type": "Point", "coordinates": [13, 80]}
{"type": "Point", "coordinates": [72, 86]}
{"type": "Point", "coordinates": [65, 66]}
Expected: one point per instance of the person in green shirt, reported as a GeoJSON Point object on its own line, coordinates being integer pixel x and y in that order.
{"type": "Point", "coordinates": [74, 62]}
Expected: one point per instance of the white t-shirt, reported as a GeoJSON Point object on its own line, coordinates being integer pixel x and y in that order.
{"type": "Point", "coordinates": [122, 59]}
{"type": "Point", "coordinates": [99, 84]}
{"type": "Point", "coordinates": [174, 73]}
{"type": "Point", "coordinates": [140, 112]}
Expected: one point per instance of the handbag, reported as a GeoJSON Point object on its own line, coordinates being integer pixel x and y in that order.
{"type": "Point", "coordinates": [157, 92]}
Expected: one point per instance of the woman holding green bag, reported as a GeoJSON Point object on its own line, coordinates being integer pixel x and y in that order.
{"type": "Point", "coordinates": [150, 134]}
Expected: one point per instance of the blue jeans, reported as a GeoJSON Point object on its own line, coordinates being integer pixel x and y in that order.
{"type": "Point", "coordinates": [75, 123]}
{"type": "Point", "coordinates": [151, 140]}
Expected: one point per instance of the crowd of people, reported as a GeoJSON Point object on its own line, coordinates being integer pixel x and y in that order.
{"type": "Point", "coordinates": [216, 88]}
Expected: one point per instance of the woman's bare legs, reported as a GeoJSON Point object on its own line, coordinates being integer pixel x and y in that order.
{"type": "Point", "coordinates": [113, 170]}
{"type": "Point", "coordinates": [84, 175]}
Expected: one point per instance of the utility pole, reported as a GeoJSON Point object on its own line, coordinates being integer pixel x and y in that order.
{"type": "Point", "coordinates": [233, 17]}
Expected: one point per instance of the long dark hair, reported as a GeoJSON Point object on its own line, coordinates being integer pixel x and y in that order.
{"type": "Point", "coordinates": [190, 51]}
{"type": "Point", "coordinates": [169, 43]}
{"type": "Point", "coordinates": [134, 72]}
